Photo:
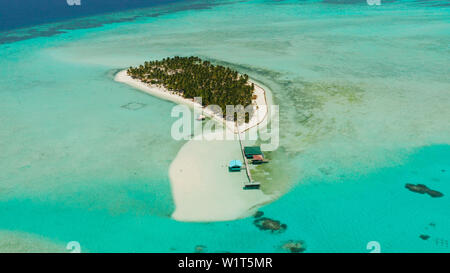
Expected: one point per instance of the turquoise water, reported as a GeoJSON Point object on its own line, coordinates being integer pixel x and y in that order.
{"type": "Point", "coordinates": [364, 108]}
{"type": "Point", "coordinates": [345, 216]}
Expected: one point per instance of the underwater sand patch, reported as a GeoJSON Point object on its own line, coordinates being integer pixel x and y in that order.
{"type": "Point", "coordinates": [22, 242]}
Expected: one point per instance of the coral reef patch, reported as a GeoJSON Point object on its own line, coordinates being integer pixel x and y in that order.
{"type": "Point", "coordinates": [200, 249]}
{"type": "Point", "coordinates": [421, 188]}
{"type": "Point", "coordinates": [294, 246]}
{"type": "Point", "coordinates": [258, 214]}
{"type": "Point", "coordinates": [274, 226]}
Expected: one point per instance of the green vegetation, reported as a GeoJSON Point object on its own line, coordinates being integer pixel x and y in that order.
{"type": "Point", "coordinates": [191, 77]}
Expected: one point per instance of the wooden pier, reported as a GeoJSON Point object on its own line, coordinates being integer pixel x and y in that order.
{"type": "Point", "coordinates": [251, 184]}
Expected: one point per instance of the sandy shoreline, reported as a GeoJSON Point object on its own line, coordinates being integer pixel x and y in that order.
{"type": "Point", "coordinates": [202, 188]}
{"type": "Point", "coordinates": [260, 106]}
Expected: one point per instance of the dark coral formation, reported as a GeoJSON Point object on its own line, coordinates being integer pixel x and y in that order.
{"type": "Point", "coordinates": [274, 226]}
{"type": "Point", "coordinates": [258, 214]}
{"type": "Point", "coordinates": [294, 246]}
{"type": "Point", "coordinates": [434, 193]}
{"type": "Point", "coordinates": [424, 237]}
{"type": "Point", "coordinates": [421, 188]}
{"type": "Point", "coordinates": [326, 170]}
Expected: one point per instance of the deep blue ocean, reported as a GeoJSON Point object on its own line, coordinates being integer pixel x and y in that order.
{"type": "Point", "coordinates": [24, 13]}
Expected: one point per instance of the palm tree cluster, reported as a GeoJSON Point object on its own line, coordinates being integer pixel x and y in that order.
{"type": "Point", "coordinates": [191, 77]}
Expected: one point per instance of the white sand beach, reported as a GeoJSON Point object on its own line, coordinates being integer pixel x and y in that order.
{"type": "Point", "coordinates": [260, 106]}
{"type": "Point", "coordinates": [202, 188]}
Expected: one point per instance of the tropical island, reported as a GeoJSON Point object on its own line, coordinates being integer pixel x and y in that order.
{"type": "Point", "coordinates": [192, 77]}
{"type": "Point", "coordinates": [178, 80]}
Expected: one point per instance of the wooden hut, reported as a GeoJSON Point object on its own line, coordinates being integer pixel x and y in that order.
{"type": "Point", "coordinates": [235, 166]}
{"type": "Point", "coordinates": [251, 151]}
{"type": "Point", "coordinates": [258, 159]}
